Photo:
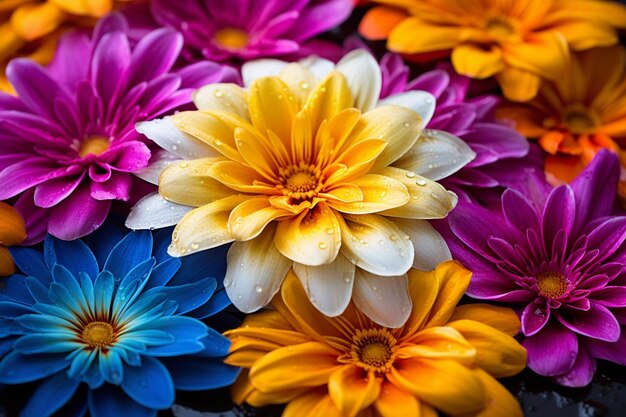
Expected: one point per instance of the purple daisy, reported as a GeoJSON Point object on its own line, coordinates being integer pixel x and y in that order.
{"type": "Point", "coordinates": [235, 30]}
{"type": "Point", "coordinates": [68, 144]}
{"type": "Point", "coordinates": [559, 257]}
{"type": "Point", "coordinates": [500, 151]}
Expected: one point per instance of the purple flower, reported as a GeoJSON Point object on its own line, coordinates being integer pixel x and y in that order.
{"type": "Point", "coordinates": [500, 150]}
{"type": "Point", "coordinates": [233, 30]}
{"type": "Point", "coordinates": [68, 144]}
{"type": "Point", "coordinates": [559, 257]}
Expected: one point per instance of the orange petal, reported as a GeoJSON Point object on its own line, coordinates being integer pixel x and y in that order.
{"type": "Point", "coordinates": [33, 21]}
{"type": "Point", "coordinates": [500, 402]}
{"type": "Point", "coordinates": [352, 389]}
{"type": "Point", "coordinates": [551, 141]}
{"type": "Point", "coordinates": [394, 401]}
{"type": "Point", "coordinates": [258, 398]}
{"type": "Point", "coordinates": [12, 228]}
{"type": "Point", "coordinates": [248, 219]}
{"type": "Point", "coordinates": [379, 21]}
{"type": "Point", "coordinates": [545, 54]}
{"type": "Point", "coordinates": [518, 85]}
{"type": "Point", "coordinates": [562, 168]}
{"type": "Point", "coordinates": [7, 266]}
{"type": "Point", "coordinates": [241, 388]}
{"type": "Point", "coordinates": [525, 119]}
{"type": "Point", "coordinates": [95, 8]}
{"type": "Point", "coordinates": [316, 403]}
{"type": "Point", "coordinates": [10, 43]}
{"type": "Point", "coordinates": [476, 62]}
{"type": "Point", "coordinates": [500, 318]}
{"type": "Point", "coordinates": [413, 35]}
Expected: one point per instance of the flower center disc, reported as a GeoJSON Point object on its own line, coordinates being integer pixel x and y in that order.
{"type": "Point", "coordinates": [579, 121]}
{"type": "Point", "coordinates": [300, 182]}
{"type": "Point", "coordinates": [98, 334]}
{"type": "Point", "coordinates": [551, 284]}
{"type": "Point", "coordinates": [93, 145]}
{"type": "Point", "coordinates": [231, 38]}
{"type": "Point", "coordinates": [499, 28]}
{"type": "Point", "coordinates": [373, 349]}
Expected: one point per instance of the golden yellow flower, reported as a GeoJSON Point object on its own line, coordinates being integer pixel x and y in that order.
{"type": "Point", "coordinates": [297, 171]}
{"type": "Point", "coordinates": [519, 42]}
{"type": "Point", "coordinates": [12, 232]}
{"type": "Point", "coordinates": [445, 358]}
{"type": "Point", "coordinates": [579, 114]}
{"type": "Point", "coordinates": [31, 27]}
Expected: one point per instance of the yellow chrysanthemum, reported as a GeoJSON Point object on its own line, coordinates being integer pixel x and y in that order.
{"type": "Point", "coordinates": [579, 114]}
{"type": "Point", "coordinates": [12, 232]}
{"type": "Point", "coordinates": [445, 358]}
{"type": "Point", "coordinates": [31, 27]}
{"type": "Point", "coordinates": [297, 171]}
{"type": "Point", "coordinates": [517, 41]}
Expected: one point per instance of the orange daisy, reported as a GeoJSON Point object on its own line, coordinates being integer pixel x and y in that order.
{"type": "Point", "coordinates": [12, 232]}
{"type": "Point", "coordinates": [519, 42]}
{"type": "Point", "coordinates": [579, 114]}
{"type": "Point", "coordinates": [445, 358]}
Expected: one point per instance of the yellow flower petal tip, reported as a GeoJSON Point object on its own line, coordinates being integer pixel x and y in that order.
{"type": "Point", "coordinates": [444, 359]}
{"type": "Point", "coordinates": [12, 232]}
{"type": "Point", "coordinates": [518, 42]}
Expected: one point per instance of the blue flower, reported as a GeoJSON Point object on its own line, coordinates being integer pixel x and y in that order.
{"type": "Point", "coordinates": [120, 319]}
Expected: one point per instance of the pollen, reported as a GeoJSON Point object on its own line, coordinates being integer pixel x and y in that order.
{"type": "Point", "coordinates": [98, 334]}
{"type": "Point", "coordinates": [231, 38]}
{"type": "Point", "coordinates": [373, 349]}
{"type": "Point", "coordinates": [94, 145]}
{"type": "Point", "coordinates": [552, 284]}
{"type": "Point", "coordinates": [300, 182]}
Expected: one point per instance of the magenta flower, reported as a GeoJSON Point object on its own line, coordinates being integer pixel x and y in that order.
{"type": "Point", "coordinates": [500, 151]}
{"type": "Point", "coordinates": [559, 257]}
{"type": "Point", "coordinates": [68, 144]}
{"type": "Point", "coordinates": [234, 30]}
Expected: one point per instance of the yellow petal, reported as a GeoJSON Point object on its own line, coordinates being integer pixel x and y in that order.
{"type": "Point", "coordinates": [355, 162]}
{"type": "Point", "coordinates": [313, 238]}
{"type": "Point", "coordinates": [222, 96]}
{"type": "Point", "coordinates": [346, 193]}
{"type": "Point", "coordinates": [332, 137]}
{"type": "Point", "coordinates": [241, 388]}
{"type": "Point", "coordinates": [12, 228]}
{"type": "Point", "coordinates": [276, 336]}
{"type": "Point", "coordinates": [186, 182]}
{"type": "Point", "coordinates": [329, 98]}
{"type": "Point", "coordinates": [453, 280]}
{"type": "Point", "coordinates": [518, 85]}
{"type": "Point", "coordinates": [240, 177]}
{"type": "Point", "coordinates": [500, 318]}
{"type": "Point", "coordinates": [316, 403]}
{"type": "Point", "coordinates": [258, 155]}
{"type": "Point", "coordinates": [497, 353]}
{"type": "Point", "coordinates": [447, 385]}
{"type": "Point", "coordinates": [249, 218]}
{"type": "Point", "coordinates": [95, 8]}
{"type": "Point", "coordinates": [582, 35]}
{"type": "Point", "coordinates": [500, 402]}
{"type": "Point", "coordinates": [414, 36]}
{"type": "Point", "coordinates": [379, 193]}
{"type": "Point", "coordinates": [352, 389]}
{"type": "Point", "coordinates": [427, 199]}
{"type": "Point", "coordinates": [477, 62]}
{"type": "Point", "coordinates": [261, 399]}
{"type": "Point", "coordinates": [439, 342]}
{"type": "Point", "coordinates": [302, 137]}
{"type": "Point", "coordinates": [423, 286]}
{"type": "Point", "coordinates": [204, 228]}
{"type": "Point", "coordinates": [300, 80]}
{"type": "Point", "coordinates": [305, 365]}
{"type": "Point", "coordinates": [271, 107]}
{"type": "Point", "coordinates": [32, 21]}
{"type": "Point", "coordinates": [10, 43]}
{"type": "Point", "coordinates": [394, 401]}
{"type": "Point", "coordinates": [244, 358]}
{"type": "Point", "coordinates": [7, 266]}
{"type": "Point", "coordinates": [545, 54]}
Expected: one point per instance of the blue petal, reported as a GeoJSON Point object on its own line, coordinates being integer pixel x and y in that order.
{"type": "Point", "coordinates": [17, 368]}
{"type": "Point", "coordinates": [218, 302]}
{"type": "Point", "coordinates": [9, 309]}
{"type": "Point", "coordinates": [49, 256]}
{"type": "Point", "coordinates": [150, 337]}
{"type": "Point", "coordinates": [103, 292]}
{"type": "Point", "coordinates": [52, 310]}
{"type": "Point", "coordinates": [110, 401]}
{"type": "Point", "coordinates": [38, 291]}
{"type": "Point", "coordinates": [111, 367]}
{"type": "Point", "coordinates": [42, 323]}
{"type": "Point", "coordinates": [93, 377]}
{"type": "Point", "coordinates": [193, 374]}
{"type": "Point", "coordinates": [210, 263]}
{"type": "Point", "coordinates": [64, 299]}
{"type": "Point", "coordinates": [149, 384]}
{"type": "Point", "coordinates": [133, 283]}
{"type": "Point", "coordinates": [69, 281]}
{"type": "Point", "coordinates": [76, 257]}
{"type": "Point", "coordinates": [134, 249]}
{"type": "Point", "coordinates": [103, 240]}
{"type": "Point", "coordinates": [81, 360]}
{"type": "Point", "coordinates": [10, 327]}
{"type": "Point", "coordinates": [45, 343]}
{"type": "Point", "coordinates": [14, 288]}
{"type": "Point", "coordinates": [6, 345]}
{"type": "Point", "coordinates": [86, 285]}
{"type": "Point", "coordinates": [31, 262]}
{"type": "Point", "coordinates": [50, 396]}
{"type": "Point", "coordinates": [215, 344]}
{"type": "Point", "coordinates": [145, 307]}
{"type": "Point", "coordinates": [163, 272]}
{"type": "Point", "coordinates": [186, 334]}
{"type": "Point", "coordinates": [162, 239]}
{"type": "Point", "coordinates": [189, 296]}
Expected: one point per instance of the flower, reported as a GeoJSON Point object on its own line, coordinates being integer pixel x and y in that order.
{"type": "Point", "coordinates": [558, 257]}
{"type": "Point", "coordinates": [12, 232]}
{"type": "Point", "coordinates": [235, 30]}
{"type": "Point", "coordinates": [32, 28]}
{"type": "Point", "coordinates": [297, 172]}
{"type": "Point", "coordinates": [118, 318]}
{"type": "Point", "coordinates": [443, 359]}
{"type": "Point", "coordinates": [518, 42]}
{"type": "Point", "coordinates": [68, 142]}
{"type": "Point", "coordinates": [578, 114]}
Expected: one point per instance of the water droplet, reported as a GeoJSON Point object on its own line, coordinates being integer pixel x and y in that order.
{"type": "Point", "coordinates": [410, 175]}
{"type": "Point", "coordinates": [218, 93]}
{"type": "Point", "coordinates": [174, 147]}
{"type": "Point", "coordinates": [322, 245]}
{"type": "Point", "coordinates": [258, 289]}
{"type": "Point", "coordinates": [218, 142]}
{"type": "Point", "coordinates": [184, 164]}
{"type": "Point", "coordinates": [406, 124]}
{"type": "Point", "coordinates": [421, 183]}
{"type": "Point", "coordinates": [393, 238]}
{"type": "Point", "coordinates": [329, 230]}
{"type": "Point", "coordinates": [227, 283]}
{"type": "Point", "coordinates": [304, 85]}
{"type": "Point", "coordinates": [194, 246]}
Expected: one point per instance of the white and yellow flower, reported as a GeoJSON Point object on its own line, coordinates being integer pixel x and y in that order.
{"type": "Point", "coordinates": [304, 169]}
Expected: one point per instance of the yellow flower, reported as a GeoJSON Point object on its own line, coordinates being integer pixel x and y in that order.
{"type": "Point", "coordinates": [445, 358]}
{"type": "Point", "coordinates": [31, 27]}
{"type": "Point", "coordinates": [12, 232]}
{"type": "Point", "coordinates": [296, 171]}
{"type": "Point", "coordinates": [517, 41]}
{"type": "Point", "coordinates": [579, 114]}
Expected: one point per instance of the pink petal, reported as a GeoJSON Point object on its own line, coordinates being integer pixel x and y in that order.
{"type": "Point", "coordinates": [552, 351]}
{"type": "Point", "coordinates": [78, 215]}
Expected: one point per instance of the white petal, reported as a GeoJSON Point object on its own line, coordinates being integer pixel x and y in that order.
{"type": "Point", "coordinates": [160, 159]}
{"type": "Point", "coordinates": [260, 68]}
{"type": "Point", "coordinates": [430, 247]}
{"type": "Point", "coordinates": [436, 155]}
{"type": "Point", "coordinates": [225, 97]}
{"type": "Point", "coordinates": [165, 134]}
{"type": "Point", "coordinates": [421, 102]}
{"type": "Point", "coordinates": [329, 287]}
{"type": "Point", "coordinates": [155, 212]}
{"type": "Point", "coordinates": [376, 244]}
{"type": "Point", "coordinates": [363, 76]}
{"type": "Point", "coordinates": [255, 271]}
{"type": "Point", "coordinates": [385, 300]}
{"type": "Point", "coordinates": [320, 67]}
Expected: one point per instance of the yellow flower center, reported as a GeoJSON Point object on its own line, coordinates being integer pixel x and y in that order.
{"type": "Point", "coordinates": [579, 120]}
{"type": "Point", "coordinates": [98, 334]}
{"type": "Point", "coordinates": [552, 284]}
{"type": "Point", "coordinates": [499, 27]}
{"type": "Point", "coordinates": [373, 349]}
{"type": "Point", "coordinates": [231, 38]}
{"type": "Point", "coordinates": [93, 145]}
{"type": "Point", "coordinates": [300, 181]}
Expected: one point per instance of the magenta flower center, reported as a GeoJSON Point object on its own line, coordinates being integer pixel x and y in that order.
{"type": "Point", "coordinates": [552, 284]}
{"type": "Point", "coordinates": [231, 38]}
{"type": "Point", "coordinates": [93, 145]}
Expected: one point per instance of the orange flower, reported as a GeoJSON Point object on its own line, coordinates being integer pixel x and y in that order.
{"type": "Point", "coordinates": [445, 358]}
{"type": "Point", "coordinates": [517, 41]}
{"type": "Point", "coordinates": [579, 114]}
{"type": "Point", "coordinates": [31, 28]}
{"type": "Point", "coordinates": [12, 232]}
